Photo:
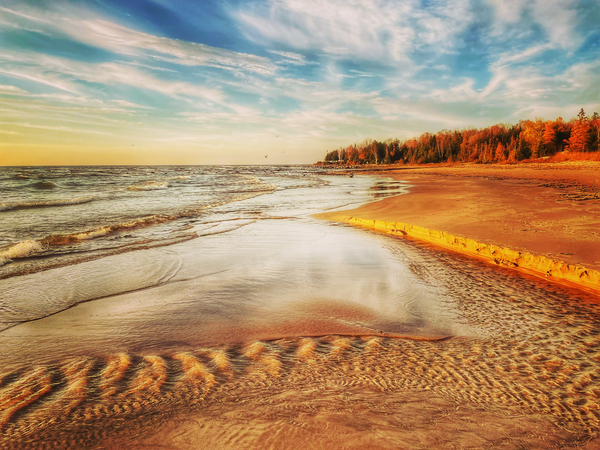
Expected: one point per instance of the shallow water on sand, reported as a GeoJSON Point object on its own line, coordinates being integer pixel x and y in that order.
{"type": "Point", "coordinates": [269, 280]}
{"type": "Point", "coordinates": [280, 331]}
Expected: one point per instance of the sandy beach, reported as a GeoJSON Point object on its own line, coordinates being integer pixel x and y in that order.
{"type": "Point", "coordinates": [273, 329]}
{"type": "Point", "coordinates": [538, 218]}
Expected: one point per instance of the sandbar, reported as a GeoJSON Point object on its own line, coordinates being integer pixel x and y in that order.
{"type": "Point", "coordinates": [543, 219]}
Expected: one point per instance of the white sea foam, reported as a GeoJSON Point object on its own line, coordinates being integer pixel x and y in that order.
{"type": "Point", "coordinates": [269, 187]}
{"type": "Point", "coordinates": [21, 250]}
{"type": "Point", "coordinates": [250, 180]}
{"type": "Point", "coordinates": [56, 240]}
{"type": "Point", "coordinates": [103, 231]}
{"type": "Point", "coordinates": [149, 186]}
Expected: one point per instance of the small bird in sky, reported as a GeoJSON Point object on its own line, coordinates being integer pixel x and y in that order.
{"type": "Point", "coordinates": [266, 156]}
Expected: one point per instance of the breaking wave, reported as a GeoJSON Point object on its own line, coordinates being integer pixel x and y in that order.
{"type": "Point", "coordinates": [23, 176]}
{"type": "Point", "coordinates": [149, 186]}
{"type": "Point", "coordinates": [44, 185]}
{"type": "Point", "coordinates": [44, 204]}
{"type": "Point", "coordinates": [22, 249]}
{"type": "Point", "coordinates": [29, 248]}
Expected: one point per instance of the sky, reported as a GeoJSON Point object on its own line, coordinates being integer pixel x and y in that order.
{"type": "Point", "coordinates": [279, 81]}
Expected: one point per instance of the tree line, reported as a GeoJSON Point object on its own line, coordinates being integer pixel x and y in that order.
{"type": "Point", "coordinates": [496, 144]}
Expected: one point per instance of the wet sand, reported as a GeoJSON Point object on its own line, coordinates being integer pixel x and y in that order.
{"type": "Point", "coordinates": [547, 210]}
{"type": "Point", "coordinates": [527, 376]}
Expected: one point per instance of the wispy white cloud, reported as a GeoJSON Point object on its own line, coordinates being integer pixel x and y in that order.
{"type": "Point", "coordinates": [368, 29]}
{"type": "Point", "coordinates": [64, 74]}
{"type": "Point", "coordinates": [123, 40]}
{"type": "Point", "coordinates": [54, 128]}
{"type": "Point", "coordinates": [360, 73]}
{"type": "Point", "coordinates": [425, 112]}
{"type": "Point", "coordinates": [239, 115]}
{"type": "Point", "coordinates": [41, 78]}
{"type": "Point", "coordinates": [458, 93]}
{"type": "Point", "coordinates": [383, 30]}
{"type": "Point", "coordinates": [7, 89]}
{"type": "Point", "coordinates": [511, 57]}
{"type": "Point", "coordinates": [126, 41]}
{"type": "Point", "coordinates": [576, 84]}
{"type": "Point", "coordinates": [501, 71]}
{"type": "Point", "coordinates": [46, 112]}
{"type": "Point", "coordinates": [442, 23]}
{"type": "Point", "coordinates": [507, 12]}
{"type": "Point", "coordinates": [126, 104]}
{"type": "Point", "coordinates": [319, 121]}
{"type": "Point", "coordinates": [110, 73]}
{"type": "Point", "coordinates": [558, 19]}
{"type": "Point", "coordinates": [291, 58]}
{"type": "Point", "coordinates": [152, 68]}
{"type": "Point", "coordinates": [11, 12]}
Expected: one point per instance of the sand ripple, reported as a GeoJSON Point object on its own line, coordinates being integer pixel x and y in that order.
{"type": "Point", "coordinates": [87, 399]}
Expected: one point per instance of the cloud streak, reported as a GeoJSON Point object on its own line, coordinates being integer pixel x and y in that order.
{"type": "Point", "coordinates": [119, 39]}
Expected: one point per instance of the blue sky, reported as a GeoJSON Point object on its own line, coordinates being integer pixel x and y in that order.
{"type": "Point", "coordinates": [227, 82]}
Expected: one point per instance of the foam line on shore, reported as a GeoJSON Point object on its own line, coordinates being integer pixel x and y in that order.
{"type": "Point", "coordinates": [531, 263]}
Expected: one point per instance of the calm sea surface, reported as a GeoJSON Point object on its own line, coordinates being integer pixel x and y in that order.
{"type": "Point", "coordinates": [202, 307]}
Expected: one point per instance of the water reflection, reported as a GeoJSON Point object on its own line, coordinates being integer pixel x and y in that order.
{"type": "Point", "coordinates": [388, 188]}
{"type": "Point", "coordinates": [269, 279]}
{"type": "Point", "coordinates": [385, 188]}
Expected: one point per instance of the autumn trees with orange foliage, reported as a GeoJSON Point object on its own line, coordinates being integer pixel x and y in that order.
{"type": "Point", "coordinates": [496, 144]}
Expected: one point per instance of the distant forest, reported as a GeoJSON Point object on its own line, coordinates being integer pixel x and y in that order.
{"type": "Point", "coordinates": [529, 139]}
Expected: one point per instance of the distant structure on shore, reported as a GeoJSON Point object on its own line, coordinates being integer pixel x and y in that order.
{"type": "Point", "coordinates": [529, 139]}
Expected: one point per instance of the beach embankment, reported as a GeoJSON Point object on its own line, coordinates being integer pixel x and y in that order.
{"type": "Point", "coordinates": [541, 219]}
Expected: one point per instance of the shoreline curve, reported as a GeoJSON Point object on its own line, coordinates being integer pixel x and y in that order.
{"type": "Point", "coordinates": [572, 275]}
